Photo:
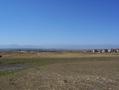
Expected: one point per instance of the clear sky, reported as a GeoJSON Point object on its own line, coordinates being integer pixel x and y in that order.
{"type": "Point", "coordinates": [59, 22]}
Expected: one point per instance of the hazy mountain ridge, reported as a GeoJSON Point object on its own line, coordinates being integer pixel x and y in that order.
{"type": "Point", "coordinates": [60, 46]}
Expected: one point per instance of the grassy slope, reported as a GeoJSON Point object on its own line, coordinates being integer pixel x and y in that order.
{"type": "Point", "coordinates": [34, 62]}
{"type": "Point", "coordinates": [101, 73]}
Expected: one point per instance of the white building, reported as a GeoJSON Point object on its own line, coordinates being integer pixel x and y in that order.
{"type": "Point", "coordinates": [109, 50]}
{"type": "Point", "coordinates": [117, 50]}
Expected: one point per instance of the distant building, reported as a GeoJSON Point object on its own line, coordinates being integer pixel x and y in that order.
{"type": "Point", "coordinates": [94, 50]}
{"type": "Point", "coordinates": [117, 50]}
{"type": "Point", "coordinates": [103, 51]}
{"type": "Point", "coordinates": [109, 50]}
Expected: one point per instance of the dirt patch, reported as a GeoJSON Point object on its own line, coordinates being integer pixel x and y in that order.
{"type": "Point", "coordinates": [100, 74]}
{"type": "Point", "coordinates": [81, 75]}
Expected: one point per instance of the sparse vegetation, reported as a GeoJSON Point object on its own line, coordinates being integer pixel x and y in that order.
{"type": "Point", "coordinates": [64, 73]}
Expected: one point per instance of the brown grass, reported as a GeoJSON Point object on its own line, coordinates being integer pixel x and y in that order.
{"type": "Point", "coordinates": [57, 55]}
{"type": "Point", "coordinates": [92, 72]}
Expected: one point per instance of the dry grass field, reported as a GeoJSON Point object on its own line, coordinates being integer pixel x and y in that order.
{"type": "Point", "coordinates": [57, 55]}
{"type": "Point", "coordinates": [61, 71]}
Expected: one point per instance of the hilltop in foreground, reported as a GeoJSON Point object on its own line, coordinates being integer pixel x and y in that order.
{"type": "Point", "coordinates": [76, 72]}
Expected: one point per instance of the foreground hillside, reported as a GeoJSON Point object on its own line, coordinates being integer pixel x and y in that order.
{"type": "Point", "coordinates": [87, 73]}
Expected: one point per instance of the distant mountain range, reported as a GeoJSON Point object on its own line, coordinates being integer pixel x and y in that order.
{"type": "Point", "coordinates": [59, 46]}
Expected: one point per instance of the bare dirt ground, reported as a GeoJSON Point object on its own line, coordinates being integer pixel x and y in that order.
{"type": "Point", "coordinates": [81, 75]}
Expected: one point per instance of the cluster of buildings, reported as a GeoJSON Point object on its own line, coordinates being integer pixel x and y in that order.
{"type": "Point", "coordinates": [59, 50]}
{"type": "Point", "coordinates": [104, 51]}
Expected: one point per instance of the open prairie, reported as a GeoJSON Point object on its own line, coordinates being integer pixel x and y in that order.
{"type": "Point", "coordinates": [59, 71]}
{"type": "Point", "coordinates": [56, 55]}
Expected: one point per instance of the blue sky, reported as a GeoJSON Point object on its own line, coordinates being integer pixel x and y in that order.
{"type": "Point", "coordinates": [59, 22]}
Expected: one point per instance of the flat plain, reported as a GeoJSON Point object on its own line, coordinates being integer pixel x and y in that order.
{"type": "Point", "coordinates": [59, 71]}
